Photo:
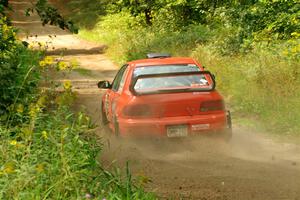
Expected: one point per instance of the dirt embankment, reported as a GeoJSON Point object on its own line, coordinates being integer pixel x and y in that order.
{"type": "Point", "coordinates": [251, 166]}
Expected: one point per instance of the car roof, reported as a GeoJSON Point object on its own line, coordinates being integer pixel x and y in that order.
{"type": "Point", "coordinates": [162, 61]}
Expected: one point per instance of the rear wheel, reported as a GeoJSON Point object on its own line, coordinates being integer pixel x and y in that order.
{"type": "Point", "coordinates": [116, 127]}
{"type": "Point", "coordinates": [104, 120]}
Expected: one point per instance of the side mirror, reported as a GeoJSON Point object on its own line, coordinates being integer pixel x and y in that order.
{"type": "Point", "coordinates": [104, 85]}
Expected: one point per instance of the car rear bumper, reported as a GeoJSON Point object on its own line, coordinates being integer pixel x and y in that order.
{"type": "Point", "coordinates": [196, 125]}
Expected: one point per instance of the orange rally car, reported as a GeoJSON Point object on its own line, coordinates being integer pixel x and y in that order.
{"type": "Point", "coordinates": [164, 96]}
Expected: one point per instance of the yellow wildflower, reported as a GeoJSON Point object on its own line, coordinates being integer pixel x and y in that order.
{"type": "Point", "coordinates": [48, 60]}
{"type": "Point", "coordinates": [45, 134]}
{"type": "Point", "coordinates": [16, 144]}
{"type": "Point", "coordinates": [31, 46]}
{"type": "Point", "coordinates": [20, 108]}
{"type": "Point", "coordinates": [4, 28]}
{"type": "Point", "coordinates": [294, 50]}
{"type": "Point", "coordinates": [285, 52]}
{"type": "Point", "coordinates": [62, 65]}
{"type": "Point", "coordinates": [42, 45]}
{"type": "Point", "coordinates": [9, 168]}
{"type": "Point", "coordinates": [13, 142]}
{"type": "Point", "coordinates": [42, 63]}
{"type": "Point", "coordinates": [67, 85]}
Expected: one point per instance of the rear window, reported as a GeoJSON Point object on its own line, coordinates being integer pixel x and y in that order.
{"type": "Point", "coordinates": [171, 82]}
{"type": "Point", "coordinates": [171, 78]}
{"type": "Point", "coordinates": [165, 69]}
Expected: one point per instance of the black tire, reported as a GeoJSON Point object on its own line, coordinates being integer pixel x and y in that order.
{"type": "Point", "coordinates": [116, 127]}
{"type": "Point", "coordinates": [104, 120]}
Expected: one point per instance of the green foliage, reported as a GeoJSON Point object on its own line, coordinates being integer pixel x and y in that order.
{"type": "Point", "coordinates": [143, 8]}
{"type": "Point", "coordinates": [3, 6]}
{"type": "Point", "coordinates": [248, 21]}
{"type": "Point", "coordinates": [263, 20]}
{"type": "Point", "coordinates": [17, 81]}
{"type": "Point", "coordinates": [86, 13]}
{"type": "Point", "coordinates": [53, 155]}
{"type": "Point", "coordinates": [182, 12]}
{"type": "Point", "coordinates": [130, 40]}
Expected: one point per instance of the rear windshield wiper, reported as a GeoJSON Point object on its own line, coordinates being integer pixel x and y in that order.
{"type": "Point", "coordinates": [177, 90]}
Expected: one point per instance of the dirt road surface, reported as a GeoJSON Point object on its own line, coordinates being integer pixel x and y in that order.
{"type": "Point", "coordinates": [251, 166]}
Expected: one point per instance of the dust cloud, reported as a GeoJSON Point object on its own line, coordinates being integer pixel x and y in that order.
{"type": "Point", "coordinates": [248, 145]}
{"type": "Point", "coordinates": [244, 146]}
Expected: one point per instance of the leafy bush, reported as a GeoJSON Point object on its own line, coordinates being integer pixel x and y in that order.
{"type": "Point", "coordinates": [17, 77]}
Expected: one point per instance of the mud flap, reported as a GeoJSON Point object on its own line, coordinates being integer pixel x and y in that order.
{"type": "Point", "coordinates": [227, 133]}
{"type": "Point", "coordinates": [228, 119]}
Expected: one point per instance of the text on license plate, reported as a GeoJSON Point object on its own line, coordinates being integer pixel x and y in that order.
{"type": "Point", "coordinates": [198, 127]}
{"type": "Point", "coordinates": [177, 131]}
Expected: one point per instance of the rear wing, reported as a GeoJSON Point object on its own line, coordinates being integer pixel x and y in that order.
{"type": "Point", "coordinates": [206, 77]}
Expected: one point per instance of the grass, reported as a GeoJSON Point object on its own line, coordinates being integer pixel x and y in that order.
{"type": "Point", "coordinates": [259, 85]}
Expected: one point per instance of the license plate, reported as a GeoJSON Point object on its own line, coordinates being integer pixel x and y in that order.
{"type": "Point", "coordinates": [199, 127]}
{"type": "Point", "coordinates": [177, 131]}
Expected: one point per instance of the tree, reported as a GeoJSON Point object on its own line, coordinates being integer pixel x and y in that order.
{"type": "Point", "coordinates": [140, 7]}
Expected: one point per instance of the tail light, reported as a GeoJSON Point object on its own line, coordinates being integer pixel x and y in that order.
{"type": "Point", "coordinates": [212, 105]}
{"type": "Point", "coordinates": [140, 110]}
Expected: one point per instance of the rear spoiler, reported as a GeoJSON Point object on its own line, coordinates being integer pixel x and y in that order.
{"type": "Point", "coordinates": [206, 73]}
{"type": "Point", "coordinates": [158, 55]}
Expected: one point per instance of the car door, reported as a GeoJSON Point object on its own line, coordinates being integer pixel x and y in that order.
{"type": "Point", "coordinates": [113, 95]}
